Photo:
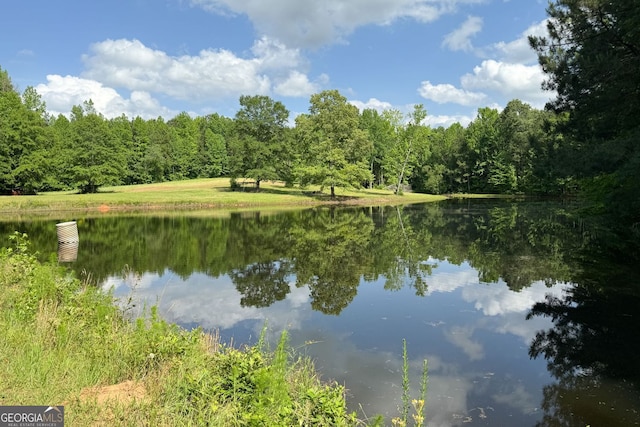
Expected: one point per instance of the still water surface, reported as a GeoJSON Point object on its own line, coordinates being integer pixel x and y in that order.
{"type": "Point", "coordinates": [519, 324]}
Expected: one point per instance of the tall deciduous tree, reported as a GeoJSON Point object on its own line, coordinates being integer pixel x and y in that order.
{"type": "Point", "coordinates": [441, 168]}
{"type": "Point", "coordinates": [183, 146]}
{"type": "Point", "coordinates": [409, 139]}
{"type": "Point", "coordinates": [9, 105]}
{"type": "Point", "coordinates": [25, 139]}
{"type": "Point", "coordinates": [136, 170]}
{"type": "Point", "coordinates": [33, 101]}
{"type": "Point", "coordinates": [62, 136]}
{"type": "Point", "coordinates": [212, 159]}
{"type": "Point", "coordinates": [382, 133]}
{"type": "Point", "coordinates": [481, 136]}
{"type": "Point", "coordinates": [122, 130]}
{"type": "Point", "coordinates": [157, 160]}
{"type": "Point", "coordinates": [96, 157]}
{"type": "Point", "coordinates": [260, 125]}
{"type": "Point", "coordinates": [336, 150]}
{"type": "Point", "coordinates": [511, 165]}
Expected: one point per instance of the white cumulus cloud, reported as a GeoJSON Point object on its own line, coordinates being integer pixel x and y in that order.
{"type": "Point", "coordinates": [113, 67]}
{"type": "Point", "coordinates": [447, 93]}
{"type": "Point", "coordinates": [210, 74]}
{"type": "Point", "coordinates": [63, 92]}
{"type": "Point", "coordinates": [509, 70]}
{"type": "Point", "coordinates": [296, 84]}
{"type": "Point", "coordinates": [518, 50]}
{"type": "Point", "coordinates": [510, 80]}
{"type": "Point", "coordinates": [460, 38]}
{"type": "Point", "coordinates": [445, 120]}
{"type": "Point", "coordinates": [310, 23]}
{"type": "Point", "coordinates": [372, 104]}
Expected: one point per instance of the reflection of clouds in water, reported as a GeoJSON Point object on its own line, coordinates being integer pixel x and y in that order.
{"type": "Point", "coordinates": [460, 336]}
{"type": "Point", "coordinates": [376, 377]}
{"type": "Point", "coordinates": [517, 324]}
{"type": "Point", "coordinates": [373, 378]}
{"type": "Point", "coordinates": [497, 299]}
{"type": "Point", "coordinates": [517, 397]}
{"type": "Point", "coordinates": [298, 297]}
{"type": "Point", "coordinates": [506, 309]}
{"type": "Point", "coordinates": [492, 299]}
{"type": "Point", "coordinates": [209, 302]}
{"type": "Point", "coordinates": [215, 302]}
{"type": "Point", "coordinates": [130, 281]}
{"type": "Point", "coordinates": [449, 281]}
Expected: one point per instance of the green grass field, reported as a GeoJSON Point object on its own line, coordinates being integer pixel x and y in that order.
{"type": "Point", "coordinates": [198, 194]}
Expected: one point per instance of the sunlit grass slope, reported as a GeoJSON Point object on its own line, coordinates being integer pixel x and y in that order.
{"type": "Point", "coordinates": [200, 194]}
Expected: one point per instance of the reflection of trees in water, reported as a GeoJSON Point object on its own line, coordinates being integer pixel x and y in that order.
{"type": "Point", "coordinates": [261, 284]}
{"type": "Point", "coordinates": [329, 252]}
{"type": "Point", "coordinates": [521, 246]}
{"type": "Point", "coordinates": [330, 249]}
{"type": "Point", "coordinates": [592, 349]}
{"type": "Point", "coordinates": [401, 252]}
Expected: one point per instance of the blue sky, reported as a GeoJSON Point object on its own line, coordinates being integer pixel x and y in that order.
{"type": "Point", "coordinates": [161, 57]}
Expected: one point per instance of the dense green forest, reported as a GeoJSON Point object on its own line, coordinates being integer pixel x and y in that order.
{"type": "Point", "coordinates": [334, 145]}
{"type": "Point", "coordinates": [584, 143]}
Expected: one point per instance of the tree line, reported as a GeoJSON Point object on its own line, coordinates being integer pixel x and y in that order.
{"type": "Point", "coordinates": [334, 145]}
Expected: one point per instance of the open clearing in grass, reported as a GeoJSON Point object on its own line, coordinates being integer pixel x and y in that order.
{"type": "Point", "coordinates": [199, 194]}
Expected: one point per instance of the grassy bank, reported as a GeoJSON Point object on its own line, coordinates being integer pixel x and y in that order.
{"type": "Point", "coordinates": [65, 342]}
{"type": "Point", "coordinates": [198, 194]}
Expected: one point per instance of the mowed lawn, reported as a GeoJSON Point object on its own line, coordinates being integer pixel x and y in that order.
{"type": "Point", "coordinates": [199, 194]}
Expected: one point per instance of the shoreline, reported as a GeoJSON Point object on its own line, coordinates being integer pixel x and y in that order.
{"type": "Point", "coordinates": [198, 195]}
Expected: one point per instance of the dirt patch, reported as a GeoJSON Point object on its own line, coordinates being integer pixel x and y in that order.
{"type": "Point", "coordinates": [124, 392]}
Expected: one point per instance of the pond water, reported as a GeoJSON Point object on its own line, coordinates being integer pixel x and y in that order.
{"type": "Point", "coordinates": [522, 321]}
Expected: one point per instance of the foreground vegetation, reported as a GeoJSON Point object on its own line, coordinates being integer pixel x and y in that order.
{"type": "Point", "coordinates": [199, 194]}
{"type": "Point", "coordinates": [64, 339]}
{"type": "Point", "coordinates": [66, 343]}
